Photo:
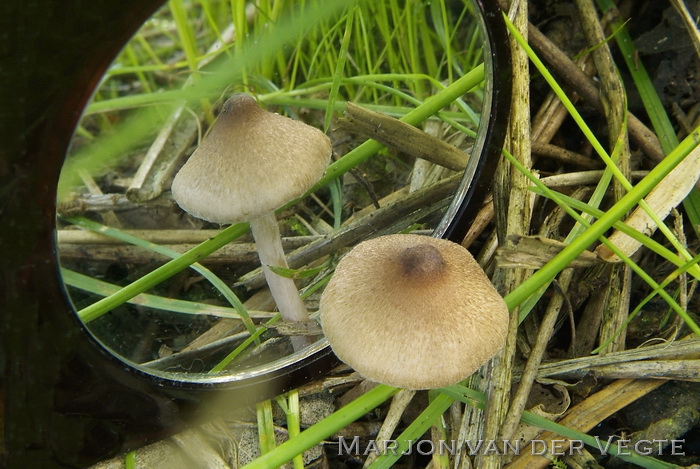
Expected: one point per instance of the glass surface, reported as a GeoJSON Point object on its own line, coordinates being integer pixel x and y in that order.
{"type": "Point", "coordinates": [118, 225]}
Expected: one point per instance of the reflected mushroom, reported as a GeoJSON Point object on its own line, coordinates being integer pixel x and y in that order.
{"type": "Point", "coordinates": [251, 163]}
{"type": "Point", "coordinates": [413, 312]}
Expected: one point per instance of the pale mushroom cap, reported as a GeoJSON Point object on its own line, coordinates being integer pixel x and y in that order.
{"type": "Point", "coordinates": [251, 162]}
{"type": "Point", "coordinates": [413, 311]}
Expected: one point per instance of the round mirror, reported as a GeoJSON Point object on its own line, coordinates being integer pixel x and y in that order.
{"type": "Point", "coordinates": [406, 93]}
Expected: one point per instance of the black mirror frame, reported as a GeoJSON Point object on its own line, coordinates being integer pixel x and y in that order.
{"type": "Point", "coordinates": [65, 401]}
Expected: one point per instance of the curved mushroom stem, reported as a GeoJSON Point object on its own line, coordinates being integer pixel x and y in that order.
{"type": "Point", "coordinates": [268, 243]}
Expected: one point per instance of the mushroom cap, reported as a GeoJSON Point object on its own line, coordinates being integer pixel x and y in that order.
{"type": "Point", "coordinates": [413, 311]}
{"type": "Point", "coordinates": [250, 163]}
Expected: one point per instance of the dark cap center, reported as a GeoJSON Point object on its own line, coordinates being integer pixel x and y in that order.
{"type": "Point", "coordinates": [421, 261]}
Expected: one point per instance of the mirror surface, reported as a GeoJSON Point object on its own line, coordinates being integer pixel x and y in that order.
{"type": "Point", "coordinates": [119, 226]}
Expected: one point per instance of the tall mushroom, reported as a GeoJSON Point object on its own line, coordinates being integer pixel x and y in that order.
{"type": "Point", "coordinates": [412, 311]}
{"type": "Point", "coordinates": [251, 163]}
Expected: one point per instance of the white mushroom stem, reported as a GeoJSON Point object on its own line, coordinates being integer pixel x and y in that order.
{"type": "Point", "coordinates": [268, 243]}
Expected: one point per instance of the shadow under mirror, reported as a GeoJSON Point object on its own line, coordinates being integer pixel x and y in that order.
{"type": "Point", "coordinates": [185, 298]}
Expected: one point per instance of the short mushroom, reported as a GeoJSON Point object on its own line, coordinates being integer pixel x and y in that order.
{"type": "Point", "coordinates": [251, 163]}
{"type": "Point", "coordinates": [413, 312]}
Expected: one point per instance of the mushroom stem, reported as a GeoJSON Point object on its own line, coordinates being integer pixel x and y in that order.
{"type": "Point", "coordinates": [268, 243]}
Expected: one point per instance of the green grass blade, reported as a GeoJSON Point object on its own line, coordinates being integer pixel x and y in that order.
{"type": "Point", "coordinates": [595, 201]}
{"type": "Point", "coordinates": [294, 423]}
{"type": "Point", "coordinates": [337, 200]}
{"type": "Point", "coordinates": [99, 287]}
{"type": "Point", "coordinates": [535, 284]}
{"type": "Point", "coordinates": [610, 164]}
{"type": "Point", "coordinates": [431, 106]}
{"type": "Point", "coordinates": [163, 272]}
{"type": "Point", "coordinates": [309, 290]}
{"type": "Point", "coordinates": [299, 273]}
{"type": "Point", "coordinates": [438, 14]}
{"type": "Point", "coordinates": [339, 68]}
{"type": "Point", "coordinates": [219, 76]}
{"type": "Point", "coordinates": [656, 291]}
{"type": "Point", "coordinates": [645, 240]}
{"type": "Point", "coordinates": [417, 428]}
{"type": "Point", "coordinates": [652, 103]}
{"type": "Point", "coordinates": [617, 212]}
{"type": "Point", "coordinates": [237, 351]}
{"type": "Point", "coordinates": [130, 460]}
{"type": "Point", "coordinates": [478, 399]}
{"type": "Point", "coordinates": [266, 426]}
{"type": "Point", "coordinates": [185, 34]}
{"type": "Point", "coordinates": [206, 273]}
{"type": "Point", "coordinates": [566, 203]}
{"type": "Point", "coordinates": [323, 429]}
{"type": "Point", "coordinates": [607, 220]}
{"type": "Point", "coordinates": [629, 456]}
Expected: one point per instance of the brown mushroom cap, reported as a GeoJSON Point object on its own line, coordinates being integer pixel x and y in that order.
{"type": "Point", "coordinates": [251, 162]}
{"type": "Point", "coordinates": [413, 311]}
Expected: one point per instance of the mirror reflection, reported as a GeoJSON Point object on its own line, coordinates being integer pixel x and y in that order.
{"type": "Point", "coordinates": [156, 208]}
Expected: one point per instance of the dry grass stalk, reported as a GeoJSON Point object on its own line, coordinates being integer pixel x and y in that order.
{"type": "Point", "coordinates": [392, 420]}
{"type": "Point", "coordinates": [615, 107]}
{"type": "Point", "coordinates": [76, 245]}
{"type": "Point", "coordinates": [581, 178]}
{"type": "Point", "coordinates": [688, 349]}
{"type": "Point", "coordinates": [532, 252]}
{"type": "Point", "coordinates": [587, 415]}
{"type": "Point", "coordinates": [513, 207]}
{"type": "Point", "coordinates": [582, 84]}
{"type": "Point", "coordinates": [402, 137]}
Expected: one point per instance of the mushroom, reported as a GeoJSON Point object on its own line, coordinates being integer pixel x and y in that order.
{"type": "Point", "coordinates": [251, 163]}
{"type": "Point", "coordinates": [412, 311]}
